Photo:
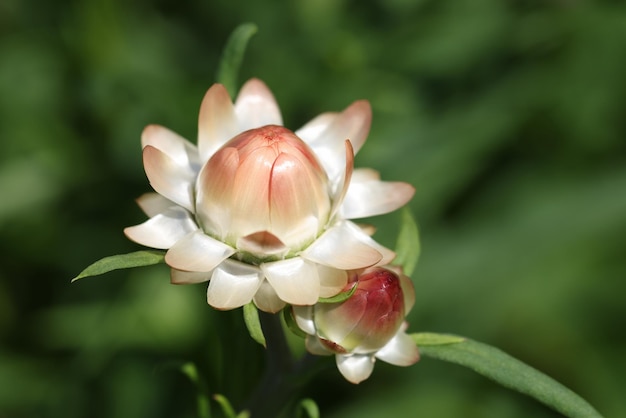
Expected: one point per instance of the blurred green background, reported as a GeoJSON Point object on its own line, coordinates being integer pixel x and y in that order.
{"type": "Point", "coordinates": [508, 117]}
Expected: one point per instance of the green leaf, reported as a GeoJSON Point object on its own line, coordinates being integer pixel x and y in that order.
{"type": "Point", "coordinates": [122, 261]}
{"type": "Point", "coordinates": [507, 371]}
{"type": "Point", "coordinates": [232, 56]}
{"type": "Point", "coordinates": [408, 243]}
{"type": "Point", "coordinates": [204, 410]}
{"type": "Point", "coordinates": [340, 297]}
{"type": "Point", "coordinates": [308, 409]}
{"type": "Point", "coordinates": [430, 338]}
{"type": "Point", "coordinates": [251, 318]}
{"type": "Point", "coordinates": [224, 403]}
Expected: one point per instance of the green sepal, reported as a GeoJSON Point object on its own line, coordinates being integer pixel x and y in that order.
{"type": "Point", "coordinates": [122, 261]}
{"type": "Point", "coordinates": [507, 371]}
{"type": "Point", "coordinates": [307, 408]}
{"type": "Point", "coordinates": [290, 321]}
{"type": "Point", "coordinates": [232, 56]}
{"type": "Point", "coordinates": [408, 243]}
{"type": "Point", "coordinates": [339, 297]}
{"type": "Point", "coordinates": [253, 324]}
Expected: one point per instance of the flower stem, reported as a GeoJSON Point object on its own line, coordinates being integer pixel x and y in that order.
{"type": "Point", "coordinates": [282, 378]}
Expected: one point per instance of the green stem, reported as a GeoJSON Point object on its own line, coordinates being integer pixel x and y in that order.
{"type": "Point", "coordinates": [276, 387]}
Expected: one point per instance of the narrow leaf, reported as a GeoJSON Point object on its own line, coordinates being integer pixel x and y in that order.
{"type": "Point", "coordinates": [122, 261]}
{"type": "Point", "coordinates": [232, 56]}
{"type": "Point", "coordinates": [339, 297]}
{"type": "Point", "coordinates": [408, 243]}
{"type": "Point", "coordinates": [202, 401]}
{"type": "Point", "coordinates": [430, 338]}
{"type": "Point", "coordinates": [226, 406]}
{"type": "Point", "coordinates": [251, 318]}
{"type": "Point", "coordinates": [511, 373]}
{"type": "Point", "coordinates": [308, 409]}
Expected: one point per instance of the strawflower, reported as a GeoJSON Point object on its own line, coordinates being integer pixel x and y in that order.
{"type": "Point", "coordinates": [367, 326]}
{"type": "Point", "coordinates": [259, 211]}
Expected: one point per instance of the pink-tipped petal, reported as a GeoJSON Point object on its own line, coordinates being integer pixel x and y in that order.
{"type": "Point", "coordinates": [355, 368]}
{"type": "Point", "coordinates": [341, 188]}
{"type": "Point", "coordinates": [352, 124]}
{"type": "Point", "coordinates": [304, 318]}
{"type": "Point", "coordinates": [332, 280]}
{"type": "Point", "coordinates": [197, 252]}
{"type": "Point", "coordinates": [168, 178]}
{"type": "Point", "coordinates": [295, 280]}
{"type": "Point", "coordinates": [188, 277]}
{"type": "Point", "coordinates": [217, 122]}
{"type": "Point", "coordinates": [153, 203]}
{"type": "Point", "coordinates": [315, 127]}
{"type": "Point", "coordinates": [164, 229]}
{"type": "Point", "coordinates": [233, 284]}
{"type": "Point", "coordinates": [370, 198]}
{"type": "Point", "coordinates": [256, 106]}
{"type": "Point", "coordinates": [267, 300]}
{"type": "Point", "coordinates": [172, 144]}
{"type": "Point", "coordinates": [401, 350]}
{"type": "Point", "coordinates": [344, 246]}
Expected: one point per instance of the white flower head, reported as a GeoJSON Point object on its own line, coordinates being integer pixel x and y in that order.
{"type": "Point", "coordinates": [259, 211]}
{"type": "Point", "coordinates": [367, 326]}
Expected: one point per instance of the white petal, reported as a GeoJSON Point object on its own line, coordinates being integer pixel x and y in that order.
{"type": "Point", "coordinates": [168, 178]}
{"type": "Point", "coordinates": [332, 280]}
{"type": "Point", "coordinates": [304, 318]}
{"type": "Point", "coordinates": [233, 284]}
{"type": "Point", "coordinates": [342, 183]}
{"type": "Point", "coordinates": [295, 280]}
{"type": "Point", "coordinates": [401, 350]}
{"type": "Point", "coordinates": [188, 277]}
{"type": "Point", "coordinates": [164, 229]}
{"type": "Point", "coordinates": [369, 198]}
{"type": "Point", "coordinates": [314, 346]}
{"type": "Point", "coordinates": [217, 122]}
{"type": "Point", "coordinates": [153, 203]}
{"type": "Point", "coordinates": [255, 106]}
{"type": "Point", "coordinates": [172, 144]}
{"type": "Point", "coordinates": [266, 298]}
{"type": "Point", "coordinates": [365, 174]}
{"type": "Point", "coordinates": [344, 246]}
{"type": "Point", "coordinates": [352, 124]}
{"type": "Point", "coordinates": [197, 252]}
{"type": "Point", "coordinates": [355, 368]}
{"type": "Point", "coordinates": [315, 127]}
{"type": "Point", "coordinates": [408, 290]}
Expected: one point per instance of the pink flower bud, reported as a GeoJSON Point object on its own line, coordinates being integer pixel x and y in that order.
{"type": "Point", "coordinates": [369, 319]}
{"type": "Point", "coordinates": [265, 191]}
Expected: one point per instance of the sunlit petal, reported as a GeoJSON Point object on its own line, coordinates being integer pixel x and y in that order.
{"type": "Point", "coordinates": [332, 280]}
{"type": "Point", "coordinates": [401, 350]}
{"type": "Point", "coordinates": [315, 127]}
{"type": "Point", "coordinates": [343, 246]}
{"type": "Point", "coordinates": [369, 198]}
{"type": "Point", "coordinates": [267, 300]}
{"type": "Point", "coordinates": [255, 106]}
{"type": "Point", "coordinates": [197, 252]}
{"type": "Point", "coordinates": [175, 146]}
{"type": "Point", "coordinates": [355, 368]}
{"type": "Point", "coordinates": [295, 280]}
{"type": "Point", "coordinates": [233, 284]}
{"type": "Point", "coordinates": [153, 203]}
{"type": "Point", "coordinates": [304, 318]}
{"type": "Point", "coordinates": [352, 124]}
{"type": "Point", "coordinates": [168, 178]}
{"type": "Point", "coordinates": [217, 122]}
{"type": "Point", "coordinates": [164, 229]}
{"type": "Point", "coordinates": [188, 277]}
